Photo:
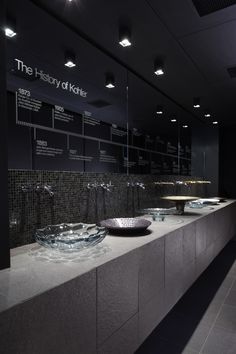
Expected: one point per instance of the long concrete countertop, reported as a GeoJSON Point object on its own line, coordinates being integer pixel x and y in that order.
{"type": "Point", "coordinates": [122, 287]}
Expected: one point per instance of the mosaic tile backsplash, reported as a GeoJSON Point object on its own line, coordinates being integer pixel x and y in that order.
{"type": "Point", "coordinates": [33, 206]}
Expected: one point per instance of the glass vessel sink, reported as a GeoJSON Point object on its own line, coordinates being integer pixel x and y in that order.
{"type": "Point", "coordinates": [195, 205]}
{"type": "Point", "coordinates": [126, 225]}
{"type": "Point", "coordinates": [180, 201]}
{"type": "Point", "coordinates": [70, 237]}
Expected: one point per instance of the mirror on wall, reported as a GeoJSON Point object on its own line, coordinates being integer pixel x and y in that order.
{"type": "Point", "coordinates": [161, 131]}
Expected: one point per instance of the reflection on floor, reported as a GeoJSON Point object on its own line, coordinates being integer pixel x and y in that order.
{"type": "Point", "coordinates": [204, 320]}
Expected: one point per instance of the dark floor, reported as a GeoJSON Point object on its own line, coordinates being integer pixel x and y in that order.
{"type": "Point", "coordinates": [204, 320]}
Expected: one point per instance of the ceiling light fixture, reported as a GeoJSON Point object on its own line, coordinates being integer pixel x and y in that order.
{"type": "Point", "coordinates": [207, 114]}
{"type": "Point", "coordinates": [70, 64]}
{"type": "Point", "coordinates": [158, 68]}
{"type": "Point", "coordinates": [9, 32]}
{"type": "Point", "coordinates": [159, 110]}
{"type": "Point", "coordinates": [185, 126]}
{"type": "Point", "coordinates": [125, 37]}
{"type": "Point", "coordinates": [70, 60]}
{"type": "Point", "coordinates": [173, 120]}
{"type": "Point", "coordinates": [196, 102]}
{"type": "Point", "coordinates": [159, 71]}
{"type": "Point", "coordinates": [215, 122]}
{"type": "Point", "coordinates": [110, 81]}
{"type": "Point", "coordinates": [10, 29]}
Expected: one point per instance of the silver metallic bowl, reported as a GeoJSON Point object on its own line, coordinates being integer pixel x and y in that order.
{"type": "Point", "coordinates": [70, 237]}
{"type": "Point", "coordinates": [126, 225]}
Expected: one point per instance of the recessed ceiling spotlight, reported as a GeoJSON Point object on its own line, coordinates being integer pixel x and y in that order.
{"type": "Point", "coordinates": [207, 114]}
{"type": "Point", "coordinates": [158, 68]}
{"type": "Point", "coordinates": [185, 126]}
{"type": "Point", "coordinates": [10, 29]}
{"type": "Point", "coordinates": [196, 102]}
{"type": "Point", "coordinates": [70, 60]}
{"type": "Point", "coordinates": [159, 110]}
{"type": "Point", "coordinates": [110, 81]}
{"type": "Point", "coordinates": [173, 120]}
{"type": "Point", "coordinates": [125, 37]}
{"type": "Point", "coordinates": [70, 64]}
{"type": "Point", "coordinates": [9, 32]}
{"type": "Point", "coordinates": [159, 71]}
{"type": "Point", "coordinates": [215, 122]}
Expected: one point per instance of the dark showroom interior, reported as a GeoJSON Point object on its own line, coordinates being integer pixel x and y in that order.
{"type": "Point", "coordinates": [118, 193]}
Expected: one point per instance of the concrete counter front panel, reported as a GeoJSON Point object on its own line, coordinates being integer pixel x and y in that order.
{"type": "Point", "coordinates": [109, 299]}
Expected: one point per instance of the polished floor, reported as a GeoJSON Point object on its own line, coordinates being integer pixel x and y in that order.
{"type": "Point", "coordinates": [204, 320]}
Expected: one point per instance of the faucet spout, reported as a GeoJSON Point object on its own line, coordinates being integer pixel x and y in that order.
{"type": "Point", "coordinates": [48, 189]}
{"type": "Point", "coordinates": [140, 185]}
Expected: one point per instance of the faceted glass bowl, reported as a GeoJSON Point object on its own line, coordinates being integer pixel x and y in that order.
{"type": "Point", "coordinates": [70, 237]}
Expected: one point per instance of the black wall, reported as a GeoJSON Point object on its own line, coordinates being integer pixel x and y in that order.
{"type": "Point", "coordinates": [228, 162]}
{"type": "Point", "coordinates": [205, 156]}
{"type": "Point", "coordinates": [4, 237]}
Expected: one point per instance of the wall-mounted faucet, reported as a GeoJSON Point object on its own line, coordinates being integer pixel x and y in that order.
{"type": "Point", "coordinates": [94, 185]}
{"type": "Point", "coordinates": [107, 186]}
{"type": "Point", "coordinates": [26, 188]}
{"type": "Point", "coordinates": [181, 183]}
{"type": "Point", "coordinates": [104, 187]}
{"type": "Point", "coordinates": [140, 185]}
{"type": "Point", "coordinates": [134, 186]}
{"type": "Point", "coordinates": [48, 189]}
{"type": "Point", "coordinates": [38, 189]}
{"type": "Point", "coordinates": [44, 188]}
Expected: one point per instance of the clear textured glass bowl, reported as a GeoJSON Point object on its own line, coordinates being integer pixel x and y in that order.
{"type": "Point", "coordinates": [195, 205]}
{"type": "Point", "coordinates": [70, 237]}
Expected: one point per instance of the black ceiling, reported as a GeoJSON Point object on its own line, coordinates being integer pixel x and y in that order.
{"type": "Point", "coordinates": [206, 7]}
{"type": "Point", "coordinates": [197, 51]}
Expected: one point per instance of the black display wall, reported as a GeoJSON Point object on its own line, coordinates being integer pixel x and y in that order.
{"type": "Point", "coordinates": [4, 249]}
{"type": "Point", "coordinates": [44, 136]}
{"type": "Point", "coordinates": [64, 119]}
{"type": "Point", "coordinates": [227, 178]}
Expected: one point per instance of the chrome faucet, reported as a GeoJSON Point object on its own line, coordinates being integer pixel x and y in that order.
{"type": "Point", "coordinates": [183, 183]}
{"type": "Point", "coordinates": [94, 185]}
{"type": "Point", "coordinates": [48, 189]}
{"type": "Point", "coordinates": [140, 185]}
{"type": "Point", "coordinates": [38, 188]}
{"type": "Point", "coordinates": [106, 186]}
{"type": "Point", "coordinates": [136, 184]}
{"type": "Point", "coordinates": [26, 188]}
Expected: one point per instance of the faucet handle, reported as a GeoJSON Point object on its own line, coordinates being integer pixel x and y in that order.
{"type": "Point", "coordinates": [26, 188]}
{"type": "Point", "coordinates": [140, 184]}
{"type": "Point", "coordinates": [38, 188]}
{"type": "Point", "coordinates": [48, 189]}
